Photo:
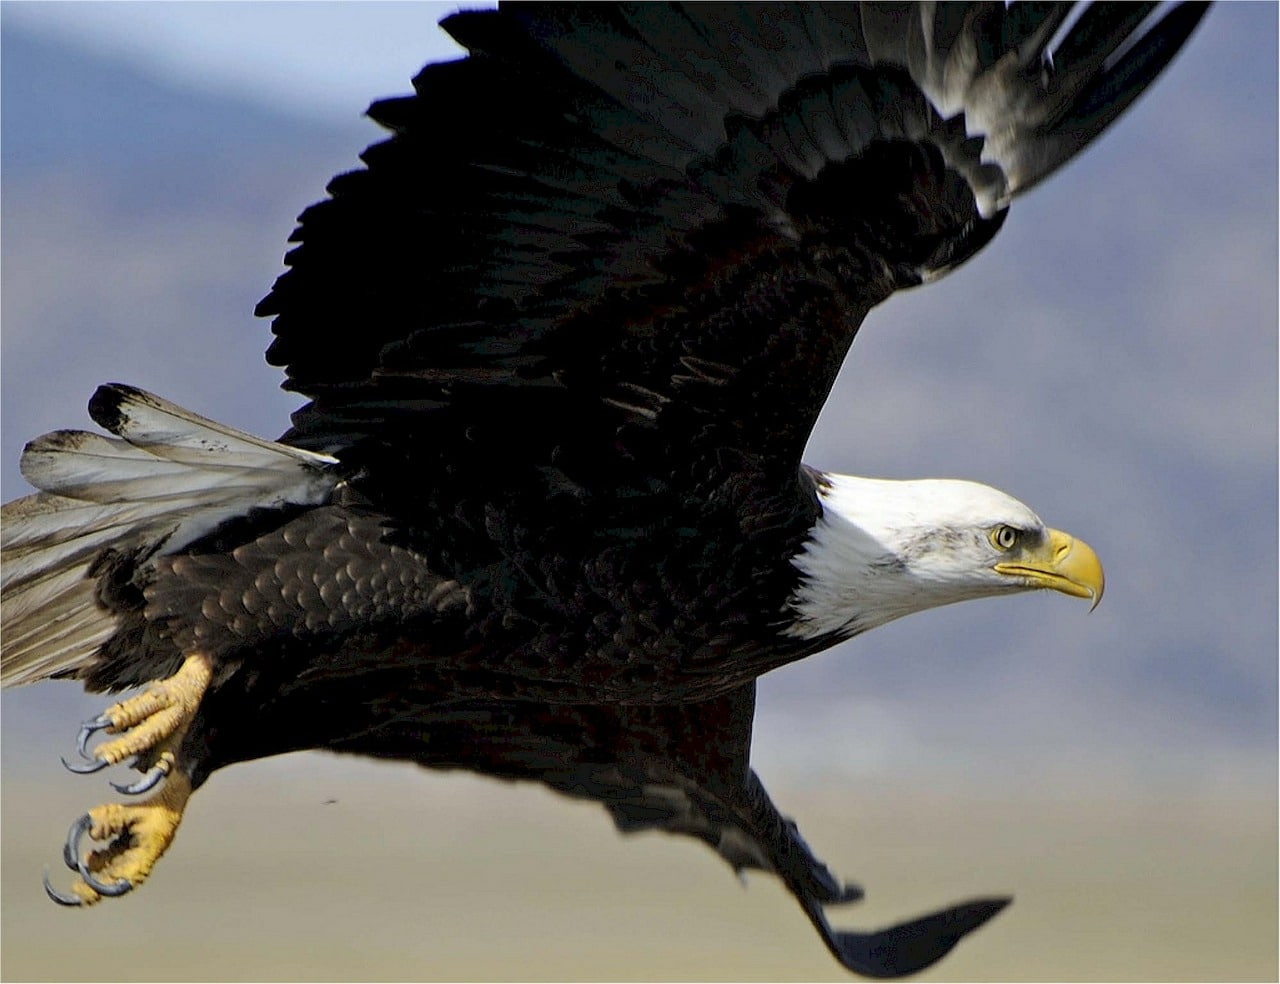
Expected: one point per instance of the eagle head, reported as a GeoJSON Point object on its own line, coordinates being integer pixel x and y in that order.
{"type": "Point", "coordinates": [882, 549]}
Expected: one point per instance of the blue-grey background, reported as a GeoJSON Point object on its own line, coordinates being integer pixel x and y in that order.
{"type": "Point", "coordinates": [1110, 359]}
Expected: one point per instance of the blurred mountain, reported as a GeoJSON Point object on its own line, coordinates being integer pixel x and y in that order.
{"type": "Point", "coordinates": [70, 110]}
{"type": "Point", "coordinates": [141, 222]}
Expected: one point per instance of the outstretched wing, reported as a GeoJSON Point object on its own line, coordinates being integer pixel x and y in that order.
{"type": "Point", "coordinates": [681, 769]}
{"type": "Point", "coordinates": [618, 241]}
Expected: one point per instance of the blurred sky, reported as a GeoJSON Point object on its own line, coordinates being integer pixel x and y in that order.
{"type": "Point", "coordinates": [317, 60]}
{"type": "Point", "coordinates": [1110, 359]}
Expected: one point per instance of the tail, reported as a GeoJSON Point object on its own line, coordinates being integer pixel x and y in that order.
{"type": "Point", "coordinates": [167, 478]}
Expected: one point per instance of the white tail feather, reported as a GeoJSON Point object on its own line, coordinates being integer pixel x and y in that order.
{"type": "Point", "coordinates": [166, 479]}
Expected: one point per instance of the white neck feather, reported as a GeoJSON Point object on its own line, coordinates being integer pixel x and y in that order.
{"type": "Point", "coordinates": [883, 549]}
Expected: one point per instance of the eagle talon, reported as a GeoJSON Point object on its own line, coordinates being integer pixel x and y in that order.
{"type": "Point", "coordinates": [148, 727]}
{"type": "Point", "coordinates": [134, 837]}
{"type": "Point", "coordinates": [60, 897]}
{"type": "Point", "coordinates": [87, 730]}
{"type": "Point", "coordinates": [113, 890]}
{"type": "Point", "coordinates": [149, 779]}
{"type": "Point", "coordinates": [149, 730]}
{"type": "Point", "coordinates": [71, 848]}
{"type": "Point", "coordinates": [71, 855]}
{"type": "Point", "coordinates": [93, 765]}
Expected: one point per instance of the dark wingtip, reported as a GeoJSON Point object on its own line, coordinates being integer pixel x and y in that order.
{"type": "Point", "coordinates": [105, 405]}
{"type": "Point", "coordinates": [910, 947]}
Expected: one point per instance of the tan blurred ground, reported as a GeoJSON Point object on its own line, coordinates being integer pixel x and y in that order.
{"type": "Point", "coordinates": [410, 876]}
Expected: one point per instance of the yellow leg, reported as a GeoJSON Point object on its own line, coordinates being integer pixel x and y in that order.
{"type": "Point", "coordinates": [151, 727]}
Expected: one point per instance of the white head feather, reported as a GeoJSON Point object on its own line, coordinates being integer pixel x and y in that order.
{"type": "Point", "coordinates": [883, 549]}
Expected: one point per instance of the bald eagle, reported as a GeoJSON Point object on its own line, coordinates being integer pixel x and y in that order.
{"type": "Point", "coordinates": [563, 338]}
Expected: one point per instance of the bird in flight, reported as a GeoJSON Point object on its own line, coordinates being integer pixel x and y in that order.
{"type": "Point", "coordinates": [562, 340]}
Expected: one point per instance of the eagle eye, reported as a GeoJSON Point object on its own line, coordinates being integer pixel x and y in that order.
{"type": "Point", "coordinates": [1005, 537]}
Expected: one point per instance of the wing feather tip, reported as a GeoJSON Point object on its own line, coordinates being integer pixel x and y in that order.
{"type": "Point", "coordinates": [107, 405]}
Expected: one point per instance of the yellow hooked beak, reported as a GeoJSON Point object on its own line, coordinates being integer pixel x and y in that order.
{"type": "Point", "coordinates": [1060, 562]}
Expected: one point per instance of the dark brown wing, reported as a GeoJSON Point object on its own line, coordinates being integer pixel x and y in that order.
{"type": "Point", "coordinates": [617, 245]}
{"type": "Point", "coordinates": [680, 769]}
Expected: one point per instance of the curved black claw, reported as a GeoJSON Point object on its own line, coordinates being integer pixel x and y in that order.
{"type": "Point", "coordinates": [148, 781]}
{"type": "Point", "coordinates": [87, 731]}
{"type": "Point", "coordinates": [71, 847]}
{"type": "Point", "coordinates": [102, 888]}
{"type": "Point", "coordinates": [71, 855]}
{"type": "Point", "coordinates": [95, 765]}
{"type": "Point", "coordinates": [909, 947]}
{"type": "Point", "coordinates": [59, 897]}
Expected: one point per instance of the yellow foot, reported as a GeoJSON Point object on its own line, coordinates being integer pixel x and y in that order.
{"type": "Point", "coordinates": [150, 727]}
{"type": "Point", "coordinates": [137, 834]}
